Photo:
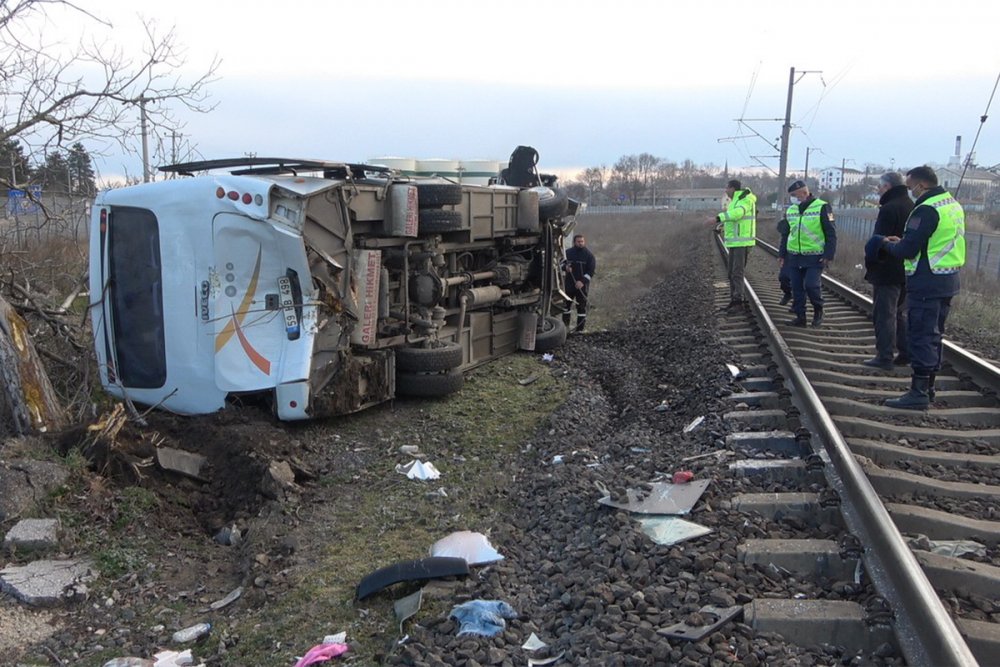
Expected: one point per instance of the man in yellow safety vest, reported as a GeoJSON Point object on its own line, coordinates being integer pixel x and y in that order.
{"type": "Point", "coordinates": [738, 224]}
{"type": "Point", "coordinates": [933, 252]}
{"type": "Point", "coordinates": [811, 244]}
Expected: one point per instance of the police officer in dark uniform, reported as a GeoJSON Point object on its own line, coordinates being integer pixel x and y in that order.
{"type": "Point", "coordinates": [579, 266]}
{"type": "Point", "coordinates": [933, 252]}
{"type": "Point", "coordinates": [810, 245]}
{"type": "Point", "coordinates": [886, 275]}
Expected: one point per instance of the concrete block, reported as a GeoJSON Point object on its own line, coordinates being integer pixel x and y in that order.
{"type": "Point", "coordinates": [46, 582]}
{"type": "Point", "coordinates": [761, 419]}
{"type": "Point", "coordinates": [811, 622]}
{"type": "Point", "coordinates": [983, 639]}
{"type": "Point", "coordinates": [959, 574]}
{"type": "Point", "coordinates": [775, 470]}
{"type": "Point", "coordinates": [803, 506]}
{"type": "Point", "coordinates": [178, 460]}
{"type": "Point", "coordinates": [804, 557]}
{"type": "Point", "coordinates": [33, 535]}
{"type": "Point", "coordinates": [782, 442]}
{"type": "Point", "coordinates": [767, 399]}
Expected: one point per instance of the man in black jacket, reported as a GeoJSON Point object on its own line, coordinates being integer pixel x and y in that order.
{"type": "Point", "coordinates": [579, 266]}
{"type": "Point", "coordinates": [886, 275]}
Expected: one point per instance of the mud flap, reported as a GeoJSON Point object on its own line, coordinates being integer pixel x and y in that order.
{"type": "Point", "coordinates": [528, 323]}
{"type": "Point", "coordinates": [363, 380]}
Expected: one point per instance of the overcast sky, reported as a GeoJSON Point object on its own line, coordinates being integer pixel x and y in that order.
{"type": "Point", "coordinates": [583, 81]}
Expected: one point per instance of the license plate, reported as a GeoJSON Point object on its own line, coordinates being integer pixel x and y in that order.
{"type": "Point", "coordinates": [288, 305]}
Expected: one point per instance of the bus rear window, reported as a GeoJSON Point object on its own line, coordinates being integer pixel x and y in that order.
{"type": "Point", "coordinates": [136, 293]}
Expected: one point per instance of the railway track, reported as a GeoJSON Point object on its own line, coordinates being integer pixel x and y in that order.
{"type": "Point", "coordinates": [894, 474]}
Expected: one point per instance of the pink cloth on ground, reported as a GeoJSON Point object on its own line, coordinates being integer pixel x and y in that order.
{"type": "Point", "coordinates": [321, 653]}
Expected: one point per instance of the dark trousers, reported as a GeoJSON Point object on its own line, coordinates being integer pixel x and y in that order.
{"type": "Point", "coordinates": [926, 327]}
{"type": "Point", "coordinates": [889, 318]}
{"type": "Point", "coordinates": [579, 299]}
{"type": "Point", "coordinates": [806, 281]}
{"type": "Point", "coordinates": [785, 279]}
{"type": "Point", "coordinates": [737, 270]}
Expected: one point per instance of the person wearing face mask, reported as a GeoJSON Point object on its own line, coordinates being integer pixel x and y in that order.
{"type": "Point", "coordinates": [738, 225]}
{"type": "Point", "coordinates": [885, 273]}
{"type": "Point", "coordinates": [933, 252]}
{"type": "Point", "coordinates": [810, 245]}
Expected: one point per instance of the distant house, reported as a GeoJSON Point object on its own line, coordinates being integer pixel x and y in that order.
{"type": "Point", "coordinates": [830, 178]}
{"type": "Point", "coordinates": [948, 178]}
{"type": "Point", "coordinates": [699, 199]}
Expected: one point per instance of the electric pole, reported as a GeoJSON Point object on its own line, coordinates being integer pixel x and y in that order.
{"type": "Point", "coordinates": [145, 142]}
{"type": "Point", "coordinates": [786, 129]}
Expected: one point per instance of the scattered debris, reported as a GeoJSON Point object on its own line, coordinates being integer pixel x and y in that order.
{"type": "Point", "coordinates": [548, 357]}
{"type": "Point", "coordinates": [524, 382]}
{"type": "Point", "coordinates": [557, 459]}
{"type": "Point", "coordinates": [33, 535]}
{"type": "Point", "coordinates": [339, 638]}
{"type": "Point", "coordinates": [683, 476]}
{"type": "Point", "coordinates": [178, 460]}
{"type": "Point", "coordinates": [533, 643]}
{"type": "Point", "coordinates": [192, 633]}
{"type": "Point", "coordinates": [417, 469]}
{"type": "Point", "coordinates": [667, 530]}
{"type": "Point", "coordinates": [640, 450]}
{"type": "Point", "coordinates": [718, 453]}
{"type": "Point", "coordinates": [714, 617]}
{"type": "Point", "coordinates": [482, 617]}
{"type": "Point", "coordinates": [229, 536]}
{"type": "Point", "coordinates": [663, 498]}
{"type": "Point", "coordinates": [662, 407]}
{"type": "Point", "coordinates": [228, 600]}
{"type": "Point", "coordinates": [280, 478]}
{"type": "Point", "coordinates": [472, 546]}
{"type": "Point", "coordinates": [321, 653]}
{"type": "Point", "coordinates": [176, 659]}
{"type": "Point", "coordinates": [733, 370]}
{"type": "Point", "coordinates": [410, 450]}
{"type": "Point", "coordinates": [541, 662]}
{"type": "Point", "coordinates": [694, 424]}
{"type": "Point", "coordinates": [407, 607]}
{"type": "Point", "coordinates": [434, 567]}
{"type": "Point", "coordinates": [953, 548]}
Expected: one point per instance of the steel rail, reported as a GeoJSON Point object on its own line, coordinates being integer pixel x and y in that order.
{"type": "Point", "coordinates": [931, 635]}
{"type": "Point", "coordinates": [981, 371]}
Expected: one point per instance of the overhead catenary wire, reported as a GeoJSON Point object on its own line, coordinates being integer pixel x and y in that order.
{"type": "Point", "coordinates": [982, 121]}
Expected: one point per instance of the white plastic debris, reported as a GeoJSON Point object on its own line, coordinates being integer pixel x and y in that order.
{"type": "Point", "coordinates": [472, 546]}
{"type": "Point", "coordinates": [339, 638]}
{"type": "Point", "coordinates": [548, 357]}
{"type": "Point", "coordinates": [410, 450]}
{"type": "Point", "coordinates": [733, 370]}
{"type": "Point", "coordinates": [695, 423]}
{"type": "Point", "coordinates": [667, 530]}
{"type": "Point", "coordinates": [418, 470]}
{"type": "Point", "coordinates": [533, 643]}
{"type": "Point", "coordinates": [662, 407]}
{"type": "Point", "coordinates": [557, 459]}
{"type": "Point", "coordinates": [176, 659]}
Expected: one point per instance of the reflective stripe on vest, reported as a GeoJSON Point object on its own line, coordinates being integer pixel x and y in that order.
{"type": "Point", "coordinates": [946, 246]}
{"type": "Point", "coordinates": [805, 231]}
{"type": "Point", "coordinates": [740, 221]}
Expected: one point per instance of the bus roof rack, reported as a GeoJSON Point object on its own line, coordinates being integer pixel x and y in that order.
{"type": "Point", "coordinates": [277, 165]}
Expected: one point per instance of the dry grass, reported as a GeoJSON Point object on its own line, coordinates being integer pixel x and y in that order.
{"type": "Point", "coordinates": [633, 251]}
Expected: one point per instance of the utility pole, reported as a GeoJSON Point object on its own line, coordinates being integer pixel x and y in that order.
{"type": "Point", "coordinates": [805, 175]}
{"type": "Point", "coordinates": [786, 128]}
{"type": "Point", "coordinates": [145, 141]}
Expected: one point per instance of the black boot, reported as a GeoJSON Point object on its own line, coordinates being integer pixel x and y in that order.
{"type": "Point", "coordinates": [785, 299]}
{"type": "Point", "coordinates": [916, 398]}
{"type": "Point", "coordinates": [566, 317]}
{"type": "Point", "coordinates": [817, 316]}
{"type": "Point", "coordinates": [930, 387]}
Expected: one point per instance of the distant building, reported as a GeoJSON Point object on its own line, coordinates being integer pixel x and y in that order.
{"type": "Point", "coordinates": [830, 178]}
{"type": "Point", "coordinates": [699, 199]}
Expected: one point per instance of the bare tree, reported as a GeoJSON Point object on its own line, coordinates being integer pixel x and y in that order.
{"type": "Point", "coordinates": [54, 97]}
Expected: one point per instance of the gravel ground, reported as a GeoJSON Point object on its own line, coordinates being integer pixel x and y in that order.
{"type": "Point", "coordinates": [582, 576]}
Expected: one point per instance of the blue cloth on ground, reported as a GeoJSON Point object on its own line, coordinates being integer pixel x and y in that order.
{"type": "Point", "coordinates": [482, 617]}
{"type": "Point", "coordinates": [874, 250]}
